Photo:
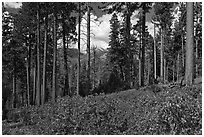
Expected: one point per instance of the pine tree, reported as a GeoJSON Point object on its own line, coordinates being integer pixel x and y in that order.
{"type": "Point", "coordinates": [127, 9]}
{"type": "Point", "coordinates": [114, 40]}
{"type": "Point", "coordinates": [8, 50]}
{"type": "Point", "coordinates": [164, 17]}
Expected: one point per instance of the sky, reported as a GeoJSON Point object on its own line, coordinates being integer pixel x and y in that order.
{"type": "Point", "coordinates": [100, 25]}
{"type": "Point", "coordinates": [13, 4]}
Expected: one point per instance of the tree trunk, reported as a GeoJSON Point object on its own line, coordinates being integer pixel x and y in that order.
{"type": "Point", "coordinates": [148, 72]}
{"type": "Point", "coordinates": [189, 45]}
{"type": "Point", "coordinates": [128, 27]}
{"type": "Point", "coordinates": [196, 56]}
{"type": "Point", "coordinates": [34, 71]}
{"type": "Point", "coordinates": [164, 70]}
{"type": "Point", "coordinates": [183, 54]}
{"type": "Point", "coordinates": [140, 62]}
{"type": "Point", "coordinates": [88, 49]}
{"type": "Point", "coordinates": [79, 63]}
{"type": "Point", "coordinates": [173, 71]}
{"type": "Point", "coordinates": [155, 55]}
{"type": "Point", "coordinates": [177, 70]}
{"type": "Point", "coordinates": [70, 80]}
{"type": "Point", "coordinates": [22, 99]}
{"type": "Point", "coordinates": [94, 66]}
{"type": "Point", "coordinates": [14, 83]}
{"type": "Point", "coordinates": [38, 89]}
{"type": "Point", "coordinates": [143, 44]}
{"type": "Point", "coordinates": [162, 56]}
{"type": "Point", "coordinates": [44, 61]}
{"type": "Point", "coordinates": [121, 73]}
{"type": "Point", "coordinates": [28, 73]}
{"type": "Point", "coordinates": [66, 86]}
{"type": "Point", "coordinates": [167, 72]}
{"type": "Point", "coordinates": [34, 83]}
{"type": "Point", "coordinates": [54, 58]}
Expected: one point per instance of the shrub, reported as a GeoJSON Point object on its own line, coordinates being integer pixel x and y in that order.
{"type": "Point", "coordinates": [171, 111]}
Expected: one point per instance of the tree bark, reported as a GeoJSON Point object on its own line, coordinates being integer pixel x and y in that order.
{"type": "Point", "coordinates": [173, 71]}
{"type": "Point", "coordinates": [164, 70]}
{"type": "Point", "coordinates": [54, 57]}
{"type": "Point", "coordinates": [44, 61]}
{"type": "Point", "coordinates": [79, 63]}
{"type": "Point", "coordinates": [121, 73]}
{"type": "Point", "coordinates": [128, 27]}
{"type": "Point", "coordinates": [183, 54]}
{"type": "Point", "coordinates": [34, 83]}
{"type": "Point", "coordinates": [148, 72]}
{"type": "Point", "coordinates": [155, 55]}
{"type": "Point", "coordinates": [143, 44]}
{"type": "Point", "coordinates": [38, 86]}
{"type": "Point", "coordinates": [167, 72]}
{"type": "Point", "coordinates": [196, 56]}
{"type": "Point", "coordinates": [94, 67]}
{"type": "Point", "coordinates": [177, 70]}
{"type": "Point", "coordinates": [162, 56]}
{"type": "Point", "coordinates": [14, 83]}
{"type": "Point", "coordinates": [34, 75]}
{"type": "Point", "coordinates": [28, 73]}
{"type": "Point", "coordinates": [88, 49]}
{"type": "Point", "coordinates": [189, 45]}
{"type": "Point", "coordinates": [140, 61]}
{"type": "Point", "coordinates": [66, 86]}
{"type": "Point", "coordinates": [68, 73]}
{"type": "Point", "coordinates": [70, 80]}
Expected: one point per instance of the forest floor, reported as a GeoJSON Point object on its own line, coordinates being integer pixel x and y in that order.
{"type": "Point", "coordinates": [171, 110]}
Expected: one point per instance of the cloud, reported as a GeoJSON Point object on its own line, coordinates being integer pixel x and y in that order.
{"type": "Point", "coordinates": [103, 29]}
{"type": "Point", "coordinates": [100, 29]}
{"type": "Point", "coordinates": [13, 4]}
{"type": "Point", "coordinates": [135, 16]}
{"type": "Point", "coordinates": [150, 28]}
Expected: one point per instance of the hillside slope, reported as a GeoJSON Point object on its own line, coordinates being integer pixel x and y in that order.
{"type": "Point", "coordinates": [171, 111]}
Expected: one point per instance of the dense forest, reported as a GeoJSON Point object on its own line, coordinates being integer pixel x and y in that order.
{"type": "Point", "coordinates": [46, 80]}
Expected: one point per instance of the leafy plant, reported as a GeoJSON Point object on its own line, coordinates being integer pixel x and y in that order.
{"type": "Point", "coordinates": [171, 111]}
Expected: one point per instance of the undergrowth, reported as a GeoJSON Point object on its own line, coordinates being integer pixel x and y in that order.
{"type": "Point", "coordinates": [137, 112]}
